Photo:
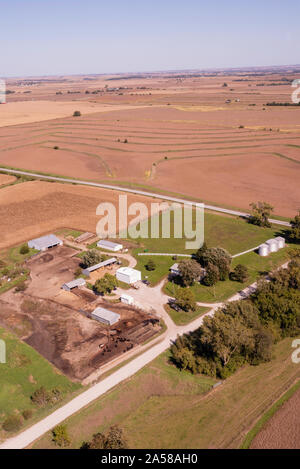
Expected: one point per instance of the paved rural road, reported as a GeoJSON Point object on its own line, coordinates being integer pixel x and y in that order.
{"type": "Point", "coordinates": [138, 192]}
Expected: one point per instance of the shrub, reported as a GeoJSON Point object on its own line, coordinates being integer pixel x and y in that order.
{"type": "Point", "coordinates": [21, 287]}
{"type": "Point", "coordinates": [239, 273]}
{"type": "Point", "coordinates": [56, 147]}
{"type": "Point", "coordinates": [114, 439]}
{"type": "Point", "coordinates": [77, 272]}
{"type": "Point", "coordinates": [27, 414]}
{"type": "Point", "coordinates": [76, 113]}
{"type": "Point", "coordinates": [40, 397]}
{"type": "Point", "coordinates": [150, 265]}
{"type": "Point", "coordinates": [90, 258]}
{"type": "Point", "coordinates": [12, 423]}
{"type": "Point", "coordinates": [24, 249]}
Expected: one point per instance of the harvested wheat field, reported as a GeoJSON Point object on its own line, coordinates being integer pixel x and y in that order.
{"type": "Point", "coordinates": [282, 431]}
{"type": "Point", "coordinates": [33, 208]}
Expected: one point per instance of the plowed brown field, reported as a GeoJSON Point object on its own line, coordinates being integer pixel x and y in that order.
{"type": "Point", "coordinates": [173, 135]}
{"type": "Point", "coordinates": [33, 208]}
{"type": "Point", "coordinates": [282, 431]}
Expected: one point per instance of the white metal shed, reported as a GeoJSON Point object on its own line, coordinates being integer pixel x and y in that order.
{"type": "Point", "coordinates": [128, 275]}
{"type": "Point", "coordinates": [105, 244]}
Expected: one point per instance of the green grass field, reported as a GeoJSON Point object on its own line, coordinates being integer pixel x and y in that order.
{"type": "Point", "coordinates": [233, 234]}
{"type": "Point", "coordinates": [24, 372]}
{"type": "Point", "coordinates": [161, 407]}
{"type": "Point", "coordinates": [10, 259]}
{"type": "Point", "coordinates": [184, 317]}
{"type": "Point", "coordinates": [257, 266]}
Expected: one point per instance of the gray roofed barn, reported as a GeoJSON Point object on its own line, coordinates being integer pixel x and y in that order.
{"type": "Point", "coordinates": [79, 282]}
{"type": "Point", "coordinates": [45, 242]}
{"type": "Point", "coordinates": [105, 316]}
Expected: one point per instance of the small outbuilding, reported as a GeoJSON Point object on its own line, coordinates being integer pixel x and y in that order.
{"type": "Point", "coordinates": [78, 282]}
{"type": "Point", "coordinates": [45, 242]}
{"type": "Point", "coordinates": [174, 269]}
{"type": "Point", "coordinates": [109, 245]}
{"type": "Point", "coordinates": [102, 264]}
{"type": "Point", "coordinates": [273, 245]}
{"type": "Point", "coordinates": [127, 299]}
{"type": "Point", "coordinates": [105, 316]}
{"type": "Point", "coordinates": [128, 275]}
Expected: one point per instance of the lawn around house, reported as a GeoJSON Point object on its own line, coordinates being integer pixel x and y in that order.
{"type": "Point", "coordinates": [257, 266]}
{"type": "Point", "coordinates": [25, 371]}
{"type": "Point", "coordinates": [233, 234]}
{"type": "Point", "coordinates": [181, 318]}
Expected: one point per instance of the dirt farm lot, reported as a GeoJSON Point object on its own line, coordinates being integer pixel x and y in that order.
{"type": "Point", "coordinates": [57, 323]}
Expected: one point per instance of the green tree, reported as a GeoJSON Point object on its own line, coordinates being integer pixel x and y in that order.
{"type": "Point", "coordinates": [113, 439]}
{"type": "Point", "coordinates": [216, 256]}
{"type": "Point", "coordinates": [199, 254]}
{"type": "Point", "coordinates": [60, 436]}
{"type": "Point", "coordinates": [260, 214]}
{"type": "Point", "coordinates": [212, 275]}
{"type": "Point", "coordinates": [106, 284]}
{"type": "Point", "coordinates": [185, 299]}
{"type": "Point", "coordinates": [294, 233]}
{"type": "Point", "coordinates": [91, 257]}
{"type": "Point", "coordinates": [240, 273]}
{"type": "Point", "coordinates": [190, 271]}
{"type": "Point", "coordinates": [24, 249]}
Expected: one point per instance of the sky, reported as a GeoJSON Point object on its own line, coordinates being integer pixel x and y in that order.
{"type": "Point", "coordinates": [60, 37]}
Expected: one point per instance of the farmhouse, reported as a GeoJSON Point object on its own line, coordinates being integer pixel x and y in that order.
{"type": "Point", "coordinates": [105, 316]}
{"type": "Point", "coordinates": [79, 282]}
{"type": "Point", "coordinates": [127, 299]}
{"type": "Point", "coordinates": [106, 263]}
{"type": "Point", "coordinates": [109, 245]}
{"type": "Point", "coordinates": [45, 242]}
{"type": "Point", "coordinates": [128, 275]}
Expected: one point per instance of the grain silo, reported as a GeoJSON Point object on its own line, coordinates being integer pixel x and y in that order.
{"type": "Point", "coordinates": [273, 245]}
{"type": "Point", "coordinates": [263, 250]}
{"type": "Point", "coordinates": [280, 242]}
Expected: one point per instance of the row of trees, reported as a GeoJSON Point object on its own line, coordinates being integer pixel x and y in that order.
{"type": "Point", "coordinates": [244, 331]}
{"type": "Point", "coordinates": [260, 214]}
{"type": "Point", "coordinates": [113, 439]}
